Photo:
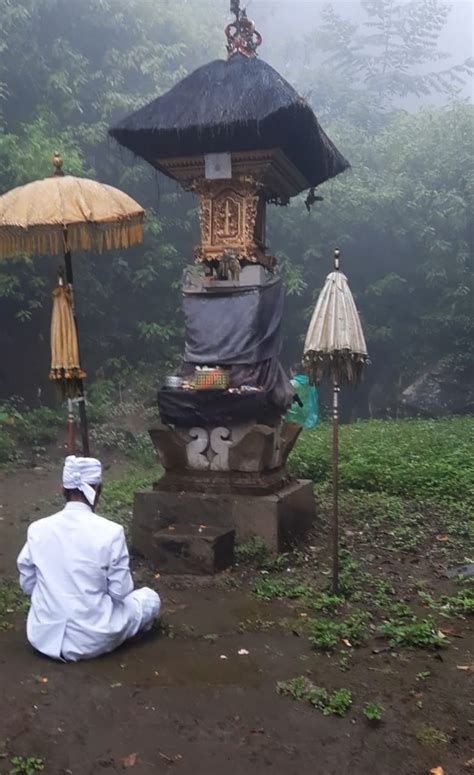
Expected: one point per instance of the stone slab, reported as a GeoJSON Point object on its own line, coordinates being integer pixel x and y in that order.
{"type": "Point", "coordinates": [281, 518]}
{"type": "Point", "coordinates": [192, 549]}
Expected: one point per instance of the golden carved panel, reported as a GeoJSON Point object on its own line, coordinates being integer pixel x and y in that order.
{"type": "Point", "coordinates": [231, 217]}
{"type": "Point", "coordinates": [227, 218]}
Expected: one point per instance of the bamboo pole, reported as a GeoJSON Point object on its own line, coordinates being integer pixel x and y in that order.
{"type": "Point", "coordinates": [335, 490]}
{"type": "Point", "coordinates": [335, 472]}
{"type": "Point", "coordinates": [81, 400]}
{"type": "Point", "coordinates": [71, 428]}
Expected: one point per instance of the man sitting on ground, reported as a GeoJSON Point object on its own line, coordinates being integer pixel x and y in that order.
{"type": "Point", "coordinates": [75, 568]}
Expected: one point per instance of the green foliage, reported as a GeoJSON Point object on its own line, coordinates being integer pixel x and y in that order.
{"type": "Point", "coordinates": [296, 688]}
{"type": "Point", "coordinates": [325, 634]}
{"type": "Point", "coordinates": [390, 50]}
{"type": "Point", "coordinates": [335, 703]}
{"type": "Point", "coordinates": [327, 603]}
{"type": "Point", "coordinates": [373, 712]}
{"type": "Point", "coordinates": [461, 604]}
{"type": "Point", "coordinates": [253, 552]}
{"type": "Point", "coordinates": [419, 634]}
{"type": "Point", "coordinates": [271, 589]}
{"type": "Point", "coordinates": [7, 447]}
{"type": "Point", "coordinates": [117, 495]}
{"type": "Point", "coordinates": [420, 459]}
{"type": "Point", "coordinates": [30, 429]}
{"type": "Point", "coordinates": [38, 427]}
{"type": "Point", "coordinates": [427, 735]}
{"type": "Point", "coordinates": [26, 765]}
{"type": "Point", "coordinates": [423, 676]}
{"type": "Point", "coordinates": [12, 599]}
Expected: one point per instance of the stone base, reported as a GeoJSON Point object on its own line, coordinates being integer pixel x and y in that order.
{"type": "Point", "coordinates": [281, 518]}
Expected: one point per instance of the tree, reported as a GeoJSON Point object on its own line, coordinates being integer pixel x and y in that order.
{"type": "Point", "coordinates": [393, 50]}
{"type": "Point", "coordinates": [403, 220]}
{"type": "Point", "coordinates": [68, 71]}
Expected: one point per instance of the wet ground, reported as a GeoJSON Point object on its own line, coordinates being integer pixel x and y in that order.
{"type": "Point", "coordinates": [185, 701]}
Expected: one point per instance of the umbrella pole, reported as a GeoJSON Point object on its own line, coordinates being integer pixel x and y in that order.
{"type": "Point", "coordinates": [71, 428]}
{"type": "Point", "coordinates": [335, 490]}
{"type": "Point", "coordinates": [81, 400]}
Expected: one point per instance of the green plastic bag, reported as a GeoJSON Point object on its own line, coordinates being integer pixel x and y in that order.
{"type": "Point", "coordinates": [308, 414]}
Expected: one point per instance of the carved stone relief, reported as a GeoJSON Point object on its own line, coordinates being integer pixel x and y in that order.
{"type": "Point", "coordinates": [220, 444]}
{"type": "Point", "coordinates": [246, 447]}
{"type": "Point", "coordinates": [196, 449]}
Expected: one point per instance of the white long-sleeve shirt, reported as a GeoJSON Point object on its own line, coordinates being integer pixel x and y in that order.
{"type": "Point", "coordinates": [75, 568]}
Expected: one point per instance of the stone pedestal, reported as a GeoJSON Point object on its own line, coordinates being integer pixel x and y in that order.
{"type": "Point", "coordinates": [280, 518]}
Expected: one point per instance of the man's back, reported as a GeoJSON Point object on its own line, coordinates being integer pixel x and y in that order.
{"type": "Point", "coordinates": [75, 565]}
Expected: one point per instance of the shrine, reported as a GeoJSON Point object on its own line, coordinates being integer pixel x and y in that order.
{"type": "Point", "coordinates": [239, 137]}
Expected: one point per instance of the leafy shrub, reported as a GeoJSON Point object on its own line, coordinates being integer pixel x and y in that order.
{"type": "Point", "coordinates": [38, 427]}
{"type": "Point", "coordinates": [26, 765]}
{"type": "Point", "coordinates": [373, 712]}
{"type": "Point", "coordinates": [7, 447]}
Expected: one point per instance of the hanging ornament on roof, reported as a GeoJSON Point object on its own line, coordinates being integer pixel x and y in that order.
{"type": "Point", "coordinates": [242, 37]}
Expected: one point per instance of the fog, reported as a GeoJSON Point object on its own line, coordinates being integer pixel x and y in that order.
{"type": "Point", "coordinates": [402, 216]}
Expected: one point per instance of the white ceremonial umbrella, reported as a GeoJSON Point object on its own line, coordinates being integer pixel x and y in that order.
{"type": "Point", "coordinates": [335, 349]}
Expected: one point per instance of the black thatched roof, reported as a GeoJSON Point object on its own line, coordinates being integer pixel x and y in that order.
{"type": "Point", "coordinates": [239, 105]}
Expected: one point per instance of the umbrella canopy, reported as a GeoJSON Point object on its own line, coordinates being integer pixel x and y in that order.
{"type": "Point", "coordinates": [66, 369]}
{"type": "Point", "coordinates": [67, 213]}
{"type": "Point", "coordinates": [61, 214]}
{"type": "Point", "coordinates": [335, 345]}
{"type": "Point", "coordinates": [236, 105]}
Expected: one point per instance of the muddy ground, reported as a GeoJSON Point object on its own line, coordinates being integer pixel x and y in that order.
{"type": "Point", "coordinates": [184, 701]}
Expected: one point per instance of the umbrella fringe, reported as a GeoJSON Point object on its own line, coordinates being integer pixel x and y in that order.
{"type": "Point", "coordinates": [340, 368]}
{"type": "Point", "coordinates": [15, 241]}
{"type": "Point", "coordinates": [67, 382]}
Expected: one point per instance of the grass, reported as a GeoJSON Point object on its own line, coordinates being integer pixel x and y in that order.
{"type": "Point", "coordinates": [12, 600]}
{"type": "Point", "coordinates": [254, 554]}
{"type": "Point", "coordinates": [325, 634]}
{"type": "Point", "coordinates": [118, 494]}
{"type": "Point", "coordinates": [428, 460]}
{"type": "Point", "coordinates": [335, 703]}
{"type": "Point", "coordinates": [274, 589]}
{"type": "Point", "coordinates": [29, 429]}
{"type": "Point", "coordinates": [427, 735]}
{"type": "Point", "coordinates": [461, 604]}
{"type": "Point", "coordinates": [418, 634]}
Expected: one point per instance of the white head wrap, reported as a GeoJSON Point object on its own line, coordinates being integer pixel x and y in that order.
{"type": "Point", "coordinates": [80, 473]}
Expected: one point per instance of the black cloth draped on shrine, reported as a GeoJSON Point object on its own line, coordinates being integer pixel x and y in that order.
{"type": "Point", "coordinates": [214, 407]}
{"type": "Point", "coordinates": [238, 327]}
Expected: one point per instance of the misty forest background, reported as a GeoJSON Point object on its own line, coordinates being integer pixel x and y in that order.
{"type": "Point", "coordinates": [379, 82]}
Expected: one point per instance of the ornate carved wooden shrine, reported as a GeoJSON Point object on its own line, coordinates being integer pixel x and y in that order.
{"type": "Point", "coordinates": [237, 135]}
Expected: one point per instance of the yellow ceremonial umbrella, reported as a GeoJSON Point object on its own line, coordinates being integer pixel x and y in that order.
{"type": "Point", "coordinates": [335, 348]}
{"type": "Point", "coordinates": [57, 215]}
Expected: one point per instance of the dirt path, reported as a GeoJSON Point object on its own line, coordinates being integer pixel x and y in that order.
{"type": "Point", "coordinates": [25, 495]}
{"type": "Point", "coordinates": [182, 707]}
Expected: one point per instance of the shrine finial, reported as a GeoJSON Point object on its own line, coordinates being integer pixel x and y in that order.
{"type": "Point", "coordinates": [242, 37]}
